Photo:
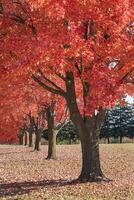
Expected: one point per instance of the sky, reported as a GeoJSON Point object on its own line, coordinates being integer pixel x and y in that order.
{"type": "Point", "coordinates": [130, 99]}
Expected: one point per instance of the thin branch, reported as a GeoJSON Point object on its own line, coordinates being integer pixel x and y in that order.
{"type": "Point", "coordinates": [92, 28]}
{"type": "Point", "coordinates": [1, 8]}
{"type": "Point", "coordinates": [17, 18]}
{"type": "Point", "coordinates": [49, 81]}
{"type": "Point", "coordinates": [20, 20]}
{"type": "Point", "coordinates": [60, 76]}
{"type": "Point", "coordinates": [48, 88]}
{"type": "Point", "coordinates": [81, 65]}
{"type": "Point", "coordinates": [78, 69]}
{"type": "Point", "coordinates": [128, 73]}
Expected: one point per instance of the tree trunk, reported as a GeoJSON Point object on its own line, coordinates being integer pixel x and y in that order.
{"type": "Point", "coordinates": [51, 133]}
{"type": "Point", "coordinates": [37, 140]}
{"type": "Point", "coordinates": [25, 138]}
{"type": "Point", "coordinates": [120, 139]}
{"type": "Point", "coordinates": [108, 140]}
{"type": "Point", "coordinates": [52, 145]}
{"type": "Point", "coordinates": [31, 130]}
{"type": "Point", "coordinates": [37, 133]}
{"type": "Point", "coordinates": [88, 129]}
{"type": "Point", "coordinates": [30, 139]}
{"type": "Point", "coordinates": [21, 137]}
{"type": "Point", "coordinates": [91, 169]}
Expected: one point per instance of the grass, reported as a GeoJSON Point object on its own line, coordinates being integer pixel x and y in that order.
{"type": "Point", "coordinates": [26, 175]}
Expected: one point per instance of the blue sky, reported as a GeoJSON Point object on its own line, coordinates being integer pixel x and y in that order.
{"type": "Point", "coordinates": [130, 99]}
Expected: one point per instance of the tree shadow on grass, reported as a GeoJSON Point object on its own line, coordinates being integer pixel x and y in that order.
{"type": "Point", "coordinates": [19, 188]}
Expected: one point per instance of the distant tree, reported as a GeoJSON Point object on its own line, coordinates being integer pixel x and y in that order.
{"type": "Point", "coordinates": [21, 136]}
{"type": "Point", "coordinates": [119, 122]}
{"type": "Point", "coordinates": [25, 130]}
{"type": "Point", "coordinates": [37, 133]}
{"type": "Point", "coordinates": [31, 129]}
{"type": "Point", "coordinates": [68, 132]}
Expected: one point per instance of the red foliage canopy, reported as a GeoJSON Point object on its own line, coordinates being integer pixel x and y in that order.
{"type": "Point", "coordinates": [93, 39]}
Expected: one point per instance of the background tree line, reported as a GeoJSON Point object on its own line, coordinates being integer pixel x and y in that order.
{"type": "Point", "coordinates": [119, 123]}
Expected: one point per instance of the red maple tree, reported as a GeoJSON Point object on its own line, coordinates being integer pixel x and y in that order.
{"type": "Point", "coordinates": [81, 50]}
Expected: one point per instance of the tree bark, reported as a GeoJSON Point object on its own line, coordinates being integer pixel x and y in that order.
{"type": "Point", "coordinates": [30, 138]}
{"type": "Point", "coordinates": [31, 130]}
{"type": "Point", "coordinates": [25, 138]}
{"type": "Point", "coordinates": [21, 137]}
{"type": "Point", "coordinates": [37, 133]}
{"type": "Point", "coordinates": [37, 140]}
{"type": "Point", "coordinates": [21, 140]}
{"type": "Point", "coordinates": [51, 133]}
{"type": "Point", "coordinates": [108, 139]}
{"type": "Point", "coordinates": [88, 130]}
{"type": "Point", "coordinates": [52, 145]}
{"type": "Point", "coordinates": [91, 168]}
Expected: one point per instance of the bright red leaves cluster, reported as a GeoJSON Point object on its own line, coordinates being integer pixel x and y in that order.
{"type": "Point", "coordinates": [93, 39]}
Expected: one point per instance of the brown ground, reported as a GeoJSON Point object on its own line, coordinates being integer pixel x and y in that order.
{"type": "Point", "coordinates": [26, 175]}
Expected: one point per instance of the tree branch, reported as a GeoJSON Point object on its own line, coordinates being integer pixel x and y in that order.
{"type": "Point", "coordinates": [17, 18]}
{"type": "Point", "coordinates": [49, 81]}
{"type": "Point", "coordinates": [48, 88]}
{"type": "Point", "coordinates": [128, 73]}
{"type": "Point", "coordinates": [60, 76]}
{"type": "Point", "coordinates": [1, 8]}
{"type": "Point", "coordinates": [78, 69]}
